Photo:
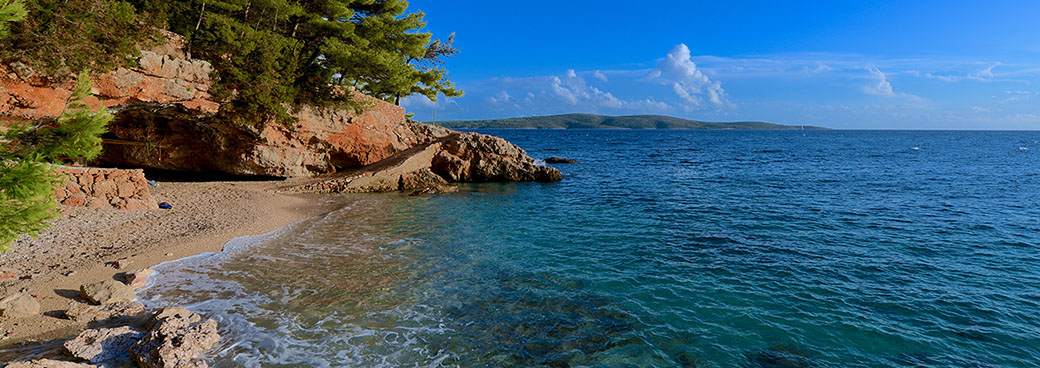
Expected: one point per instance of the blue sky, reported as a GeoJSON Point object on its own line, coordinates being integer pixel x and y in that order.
{"type": "Point", "coordinates": [841, 64]}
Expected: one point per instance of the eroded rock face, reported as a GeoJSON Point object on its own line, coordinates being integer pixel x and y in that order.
{"type": "Point", "coordinates": [177, 337]}
{"type": "Point", "coordinates": [103, 344]}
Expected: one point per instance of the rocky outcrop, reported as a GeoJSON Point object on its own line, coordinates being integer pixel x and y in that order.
{"type": "Point", "coordinates": [173, 338]}
{"type": "Point", "coordinates": [429, 168]}
{"type": "Point", "coordinates": [163, 78]}
{"type": "Point", "coordinates": [103, 344]}
{"type": "Point", "coordinates": [19, 305]}
{"type": "Point", "coordinates": [94, 187]}
{"type": "Point", "coordinates": [472, 157]}
{"type": "Point", "coordinates": [176, 339]}
{"type": "Point", "coordinates": [321, 142]}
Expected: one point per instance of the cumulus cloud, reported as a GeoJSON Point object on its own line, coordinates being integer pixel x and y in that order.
{"type": "Point", "coordinates": [881, 86]}
{"type": "Point", "coordinates": [599, 75]}
{"type": "Point", "coordinates": [574, 90]}
{"type": "Point", "coordinates": [688, 82]}
{"type": "Point", "coordinates": [424, 103]}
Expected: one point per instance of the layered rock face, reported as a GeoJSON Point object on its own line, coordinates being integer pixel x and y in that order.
{"type": "Point", "coordinates": [166, 119]}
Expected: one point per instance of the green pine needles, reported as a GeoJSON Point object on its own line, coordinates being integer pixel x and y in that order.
{"type": "Point", "coordinates": [28, 155]}
{"type": "Point", "coordinates": [10, 12]}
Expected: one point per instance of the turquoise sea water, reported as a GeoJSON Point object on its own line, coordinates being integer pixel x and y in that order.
{"type": "Point", "coordinates": [659, 249]}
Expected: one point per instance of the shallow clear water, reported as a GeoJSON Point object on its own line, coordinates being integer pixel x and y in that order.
{"type": "Point", "coordinates": [663, 249]}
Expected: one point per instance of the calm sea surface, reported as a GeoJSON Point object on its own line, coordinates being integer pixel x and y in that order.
{"type": "Point", "coordinates": [659, 249]}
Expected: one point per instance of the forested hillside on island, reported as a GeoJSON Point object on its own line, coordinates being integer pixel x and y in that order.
{"type": "Point", "coordinates": [590, 121]}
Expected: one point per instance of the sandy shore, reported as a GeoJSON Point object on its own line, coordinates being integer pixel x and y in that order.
{"type": "Point", "coordinates": [83, 241]}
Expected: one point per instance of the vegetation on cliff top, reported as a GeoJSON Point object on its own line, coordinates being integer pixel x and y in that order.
{"type": "Point", "coordinates": [590, 121]}
{"type": "Point", "coordinates": [270, 56]}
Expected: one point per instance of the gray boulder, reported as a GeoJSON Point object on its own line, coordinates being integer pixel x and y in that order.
{"type": "Point", "coordinates": [19, 305]}
{"type": "Point", "coordinates": [103, 344]}
{"type": "Point", "coordinates": [108, 291]}
{"type": "Point", "coordinates": [175, 340]}
{"type": "Point", "coordinates": [84, 313]}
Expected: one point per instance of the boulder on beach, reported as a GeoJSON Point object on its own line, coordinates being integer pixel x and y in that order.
{"type": "Point", "coordinates": [84, 313]}
{"type": "Point", "coordinates": [107, 291]}
{"type": "Point", "coordinates": [137, 279]}
{"type": "Point", "coordinates": [20, 305]}
{"type": "Point", "coordinates": [103, 344]}
{"type": "Point", "coordinates": [175, 339]}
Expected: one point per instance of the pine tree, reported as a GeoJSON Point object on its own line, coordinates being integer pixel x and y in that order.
{"type": "Point", "coordinates": [274, 55]}
{"type": "Point", "coordinates": [13, 11]}
{"type": "Point", "coordinates": [28, 154]}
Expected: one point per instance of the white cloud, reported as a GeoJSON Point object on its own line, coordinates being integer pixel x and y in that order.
{"type": "Point", "coordinates": [574, 90]}
{"type": "Point", "coordinates": [881, 87]}
{"type": "Point", "coordinates": [688, 82]}
{"type": "Point", "coordinates": [422, 102]}
{"type": "Point", "coordinates": [502, 97]}
{"type": "Point", "coordinates": [984, 75]}
{"type": "Point", "coordinates": [599, 75]}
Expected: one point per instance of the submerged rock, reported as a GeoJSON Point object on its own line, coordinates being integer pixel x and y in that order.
{"type": "Point", "coordinates": [19, 305]}
{"type": "Point", "coordinates": [107, 291]}
{"type": "Point", "coordinates": [175, 340]}
{"type": "Point", "coordinates": [103, 344]}
{"type": "Point", "coordinates": [559, 160]}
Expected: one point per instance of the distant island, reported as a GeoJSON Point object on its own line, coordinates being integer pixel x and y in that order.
{"type": "Point", "coordinates": [591, 121]}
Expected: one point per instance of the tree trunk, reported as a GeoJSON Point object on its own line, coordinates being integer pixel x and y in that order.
{"type": "Point", "coordinates": [191, 38]}
{"type": "Point", "coordinates": [201, 13]}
